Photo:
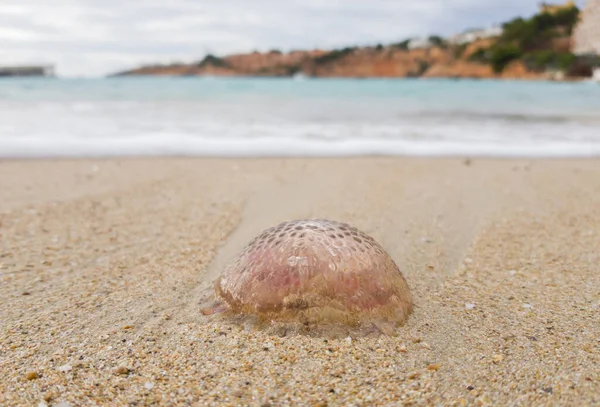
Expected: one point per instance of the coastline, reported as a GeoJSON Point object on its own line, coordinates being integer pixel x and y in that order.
{"type": "Point", "coordinates": [104, 264]}
{"type": "Point", "coordinates": [541, 78]}
{"type": "Point", "coordinates": [555, 43]}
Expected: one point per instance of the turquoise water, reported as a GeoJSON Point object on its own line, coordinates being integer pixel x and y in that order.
{"type": "Point", "coordinates": [273, 117]}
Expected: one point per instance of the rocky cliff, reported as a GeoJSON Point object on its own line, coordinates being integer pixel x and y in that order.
{"type": "Point", "coordinates": [586, 37]}
{"type": "Point", "coordinates": [367, 62]}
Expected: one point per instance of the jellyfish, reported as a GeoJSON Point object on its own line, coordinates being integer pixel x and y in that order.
{"type": "Point", "coordinates": [316, 271]}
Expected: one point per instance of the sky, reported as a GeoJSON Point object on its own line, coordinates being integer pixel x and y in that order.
{"type": "Point", "coordinates": [98, 37]}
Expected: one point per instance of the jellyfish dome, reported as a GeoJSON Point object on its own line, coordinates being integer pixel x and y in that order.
{"type": "Point", "coordinates": [316, 271]}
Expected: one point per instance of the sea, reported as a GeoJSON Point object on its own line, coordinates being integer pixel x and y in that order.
{"type": "Point", "coordinates": [297, 117]}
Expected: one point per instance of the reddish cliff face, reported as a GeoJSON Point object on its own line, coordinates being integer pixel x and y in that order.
{"type": "Point", "coordinates": [385, 63]}
{"type": "Point", "coordinates": [517, 70]}
{"type": "Point", "coordinates": [477, 45]}
{"type": "Point", "coordinates": [273, 63]}
{"type": "Point", "coordinates": [460, 69]}
{"type": "Point", "coordinates": [368, 62]}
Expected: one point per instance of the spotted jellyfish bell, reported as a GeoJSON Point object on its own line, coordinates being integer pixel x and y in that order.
{"type": "Point", "coordinates": [316, 271]}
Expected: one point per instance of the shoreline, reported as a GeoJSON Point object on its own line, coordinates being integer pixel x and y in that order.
{"type": "Point", "coordinates": [308, 78]}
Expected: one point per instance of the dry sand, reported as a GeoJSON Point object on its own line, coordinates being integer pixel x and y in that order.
{"type": "Point", "coordinates": [104, 265]}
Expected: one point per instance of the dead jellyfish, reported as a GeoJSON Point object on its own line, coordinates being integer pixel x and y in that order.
{"type": "Point", "coordinates": [316, 272]}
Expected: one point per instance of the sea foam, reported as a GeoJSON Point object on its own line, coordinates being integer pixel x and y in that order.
{"type": "Point", "coordinates": [273, 147]}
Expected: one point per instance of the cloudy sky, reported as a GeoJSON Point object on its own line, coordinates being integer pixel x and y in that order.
{"type": "Point", "coordinates": [97, 37]}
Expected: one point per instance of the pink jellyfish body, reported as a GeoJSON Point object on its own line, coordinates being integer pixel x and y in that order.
{"type": "Point", "coordinates": [316, 271]}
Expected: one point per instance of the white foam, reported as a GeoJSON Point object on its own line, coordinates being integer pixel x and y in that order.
{"type": "Point", "coordinates": [29, 147]}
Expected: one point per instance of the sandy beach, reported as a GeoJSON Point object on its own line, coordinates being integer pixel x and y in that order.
{"type": "Point", "coordinates": [104, 265]}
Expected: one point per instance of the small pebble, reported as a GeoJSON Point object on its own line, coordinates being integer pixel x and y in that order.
{"type": "Point", "coordinates": [122, 370]}
{"type": "Point", "coordinates": [31, 376]}
{"type": "Point", "coordinates": [527, 306]}
{"type": "Point", "coordinates": [469, 306]}
{"type": "Point", "coordinates": [148, 385]}
{"type": "Point", "coordinates": [434, 367]}
{"type": "Point", "coordinates": [65, 368]}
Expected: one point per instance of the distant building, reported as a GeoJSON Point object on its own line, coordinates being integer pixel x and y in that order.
{"type": "Point", "coordinates": [555, 8]}
{"type": "Point", "coordinates": [474, 35]}
{"type": "Point", "coordinates": [586, 37]}
{"type": "Point", "coordinates": [26, 71]}
{"type": "Point", "coordinates": [416, 43]}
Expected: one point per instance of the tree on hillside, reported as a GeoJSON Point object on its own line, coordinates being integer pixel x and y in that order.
{"type": "Point", "coordinates": [402, 45]}
{"type": "Point", "coordinates": [334, 55]}
{"type": "Point", "coordinates": [213, 61]}
{"type": "Point", "coordinates": [531, 40]}
{"type": "Point", "coordinates": [437, 41]}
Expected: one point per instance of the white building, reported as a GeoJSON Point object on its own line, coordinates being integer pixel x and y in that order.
{"type": "Point", "coordinates": [416, 43]}
{"type": "Point", "coordinates": [586, 37]}
{"type": "Point", "coordinates": [474, 35]}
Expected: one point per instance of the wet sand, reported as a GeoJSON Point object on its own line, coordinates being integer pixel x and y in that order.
{"type": "Point", "coordinates": [104, 266]}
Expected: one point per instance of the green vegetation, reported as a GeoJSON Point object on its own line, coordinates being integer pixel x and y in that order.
{"type": "Point", "coordinates": [501, 55]}
{"type": "Point", "coordinates": [402, 45]}
{"type": "Point", "coordinates": [292, 70]}
{"type": "Point", "coordinates": [539, 60]}
{"type": "Point", "coordinates": [437, 41]}
{"type": "Point", "coordinates": [334, 55]}
{"type": "Point", "coordinates": [423, 67]}
{"type": "Point", "coordinates": [531, 41]}
{"type": "Point", "coordinates": [481, 55]}
{"type": "Point", "coordinates": [536, 32]}
{"type": "Point", "coordinates": [213, 61]}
